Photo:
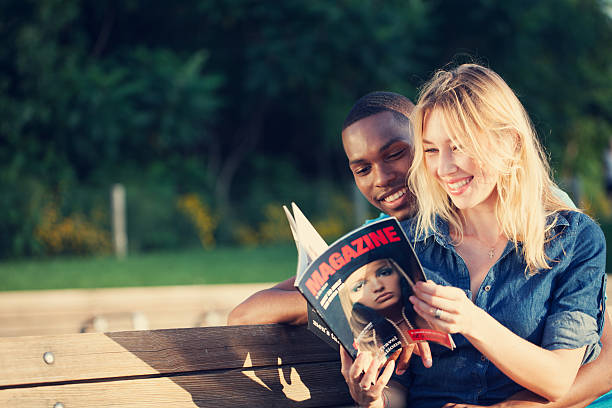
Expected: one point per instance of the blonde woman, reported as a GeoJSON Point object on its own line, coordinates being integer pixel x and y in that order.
{"type": "Point", "coordinates": [519, 276]}
{"type": "Point", "coordinates": [375, 301]}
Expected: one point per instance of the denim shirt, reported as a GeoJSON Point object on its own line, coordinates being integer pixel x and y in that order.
{"type": "Point", "coordinates": [559, 308]}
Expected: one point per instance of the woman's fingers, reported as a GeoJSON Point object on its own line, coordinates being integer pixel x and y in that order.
{"type": "Point", "coordinates": [439, 310]}
{"type": "Point", "coordinates": [430, 288]}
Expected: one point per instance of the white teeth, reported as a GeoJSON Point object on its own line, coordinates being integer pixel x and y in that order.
{"type": "Point", "coordinates": [459, 184]}
{"type": "Point", "coordinates": [395, 196]}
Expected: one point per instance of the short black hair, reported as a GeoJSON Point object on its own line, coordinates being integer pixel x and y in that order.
{"type": "Point", "coordinates": [379, 101]}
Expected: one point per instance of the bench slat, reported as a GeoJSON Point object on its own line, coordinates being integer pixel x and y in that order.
{"type": "Point", "coordinates": [124, 354]}
{"type": "Point", "coordinates": [25, 313]}
{"type": "Point", "coordinates": [232, 388]}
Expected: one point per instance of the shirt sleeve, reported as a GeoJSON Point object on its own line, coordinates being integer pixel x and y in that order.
{"type": "Point", "coordinates": [578, 300]}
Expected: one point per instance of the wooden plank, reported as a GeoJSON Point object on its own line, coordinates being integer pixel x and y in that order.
{"type": "Point", "coordinates": [85, 322]}
{"type": "Point", "coordinates": [67, 311]}
{"type": "Point", "coordinates": [300, 385]}
{"type": "Point", "coordinates": [137, 353]}
{"type": "Point", "coordinates": [119, 299]}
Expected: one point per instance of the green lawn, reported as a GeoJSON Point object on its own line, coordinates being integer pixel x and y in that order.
{"type": "Point", "coordinates": [222, 265]}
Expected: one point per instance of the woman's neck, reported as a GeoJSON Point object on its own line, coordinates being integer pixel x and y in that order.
{"type": "Point", "coordinates": [393, 312]}
{"type": "Point", "coordinates": [480, 223]}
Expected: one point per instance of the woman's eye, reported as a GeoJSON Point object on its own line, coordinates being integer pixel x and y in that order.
{"type": "Point", "coordinates": [431, 150]}
{"type": "Point", "coordinates": [385, 271]}
{"type": "Point", "coordinates": [357, 287]}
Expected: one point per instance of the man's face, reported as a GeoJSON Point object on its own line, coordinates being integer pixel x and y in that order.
{"type": "Point", "coordinates": [379, 151]}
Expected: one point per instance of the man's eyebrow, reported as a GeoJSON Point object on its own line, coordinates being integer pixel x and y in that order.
{"type": "Point", "coordinates": [382, 149]}
{"type": "Point", "coordinates": [356, 161]}
{"type": "Point", "coordinates": [390, 142]}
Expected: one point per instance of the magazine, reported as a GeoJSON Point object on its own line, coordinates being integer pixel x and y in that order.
{"type": "Point", "coordinates": [358, 287]}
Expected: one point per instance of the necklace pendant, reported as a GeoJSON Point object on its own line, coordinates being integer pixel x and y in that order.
{"type": "Point", "coordinates": [491, 253]}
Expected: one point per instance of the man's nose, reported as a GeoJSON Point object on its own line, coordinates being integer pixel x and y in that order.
{"type": "Point", "coordinates": [384, 175]}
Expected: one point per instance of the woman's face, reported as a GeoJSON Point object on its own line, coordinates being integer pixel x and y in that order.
{"type": "Point", "coordinates": [375, 285]}
{"type": "Point", "coordinates": [467, 184]}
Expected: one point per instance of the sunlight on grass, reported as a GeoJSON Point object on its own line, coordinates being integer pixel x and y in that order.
{"type": "Point", "coordinates": [223, 265]}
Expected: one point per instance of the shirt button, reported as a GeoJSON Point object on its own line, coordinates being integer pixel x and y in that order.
{"type": "Point", "coordinates": [483, 358]}
{"type": "Point", "coordinates": [487, 288]}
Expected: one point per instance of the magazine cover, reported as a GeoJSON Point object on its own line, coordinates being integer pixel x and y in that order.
{"type": "Point", "coordinates": [358, 287]}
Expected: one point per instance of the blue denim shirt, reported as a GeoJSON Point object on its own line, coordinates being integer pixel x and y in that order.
{"type": "Point", "coordinates": [560, 308]}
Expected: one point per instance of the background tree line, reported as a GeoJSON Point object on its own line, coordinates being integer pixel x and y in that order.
{"type": "Point", "coordinates": [213, 113]}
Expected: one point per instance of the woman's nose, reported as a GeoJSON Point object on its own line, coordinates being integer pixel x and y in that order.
{"type": "Point", "coordinates": [378, 285]}
{"type": "Point", "coordinates": [447, 164]}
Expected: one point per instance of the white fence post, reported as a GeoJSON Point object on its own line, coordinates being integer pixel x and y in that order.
{"type": "Point", "coordinates": [119, 217]}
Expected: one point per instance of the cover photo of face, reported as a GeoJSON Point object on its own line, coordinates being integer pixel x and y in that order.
{"type": "Point", "coordinates": [375, 301]}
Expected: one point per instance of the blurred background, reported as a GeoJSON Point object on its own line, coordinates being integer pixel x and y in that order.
{"type": "Point", "coordinates": [213, 114]}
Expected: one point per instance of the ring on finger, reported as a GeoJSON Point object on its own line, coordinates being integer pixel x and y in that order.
{"type": "Point", "coordinates": [438, 314]}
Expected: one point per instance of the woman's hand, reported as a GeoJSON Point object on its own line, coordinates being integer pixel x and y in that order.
{"type": "Point", "coordinates": [445, 308]}
{"type": "Point", "coordinates": [361, 375]}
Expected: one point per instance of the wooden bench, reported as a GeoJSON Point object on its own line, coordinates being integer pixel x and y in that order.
{"type": "Point", "coordinates": [235, 366]}
{"type": "Point", "coordinates": [25, 313]}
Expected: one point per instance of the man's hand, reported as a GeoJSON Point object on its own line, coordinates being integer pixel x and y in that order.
{"type": "Point", "coordinates": [420, 349]}
{"type": "Point", "coordinates": [361, 375]}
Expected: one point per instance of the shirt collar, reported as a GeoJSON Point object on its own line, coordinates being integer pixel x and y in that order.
{"type": "Point", "coordinates": [441, 234]}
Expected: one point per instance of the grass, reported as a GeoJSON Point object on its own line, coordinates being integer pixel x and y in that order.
{"type": "Point", "coordinates": [223, 265]}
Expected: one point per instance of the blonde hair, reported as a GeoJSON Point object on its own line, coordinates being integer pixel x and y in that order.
{"type": "Point", "coordinates": [487, 122]}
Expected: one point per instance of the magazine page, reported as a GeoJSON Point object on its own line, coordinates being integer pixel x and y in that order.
{"type": "Point", "coordinates": [306, 254]}
{"type": "Point", "coordinates": [307, 240]}
{"type": "Point", "coordinates": [360, 287]}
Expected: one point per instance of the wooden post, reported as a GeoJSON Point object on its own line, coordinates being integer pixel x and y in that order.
{"type": "Point", "coordinates": [119, 220]}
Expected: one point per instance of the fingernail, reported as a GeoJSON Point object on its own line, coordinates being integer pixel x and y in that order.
{"type": "Point", "coordinates": [412, 299]}
{"type": "Point", "coordinates": [400, 371]}
{"type": "Point", "coordinates": [428, 362]}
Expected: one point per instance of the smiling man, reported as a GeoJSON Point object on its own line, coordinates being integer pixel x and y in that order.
{"type": "Point", "coordinates": [377, 140]}
{"type": "Point", "coordinates": [378, 145]}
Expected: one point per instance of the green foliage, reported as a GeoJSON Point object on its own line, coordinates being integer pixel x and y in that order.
{"type": "Point", "coordinates": [241, 103]}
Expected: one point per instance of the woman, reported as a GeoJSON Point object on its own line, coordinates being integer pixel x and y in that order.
{"type": "Point", "coordinates": [375, 300]}
{"type": "Point", "coordinates": [519, 276]}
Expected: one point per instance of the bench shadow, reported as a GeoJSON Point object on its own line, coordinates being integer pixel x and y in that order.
{"type": "Point", "coordinates": [269, 365]}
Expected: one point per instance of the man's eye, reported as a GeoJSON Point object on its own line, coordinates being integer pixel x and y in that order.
{"type": "Point", "coordinates": [396, 155]}
{"type": "Point", "coordinates": [362, 171]}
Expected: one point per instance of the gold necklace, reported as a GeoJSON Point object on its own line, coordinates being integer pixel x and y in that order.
{"type": "Point", "coordinates": [491, 251]}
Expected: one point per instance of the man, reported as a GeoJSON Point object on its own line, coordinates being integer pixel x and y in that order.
{"type": "Point", "coordinates": [377, 140]}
